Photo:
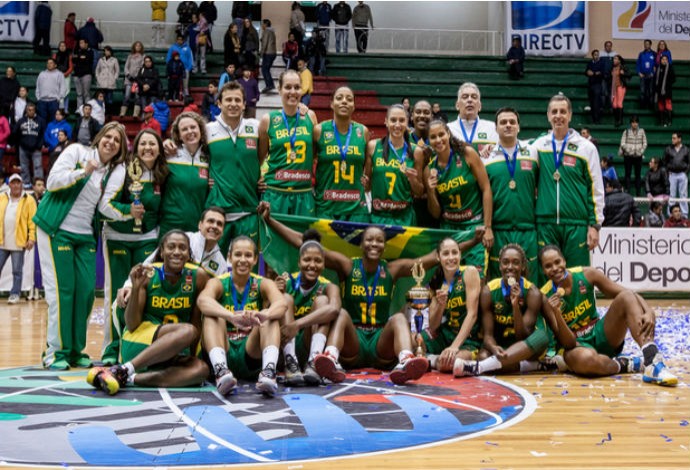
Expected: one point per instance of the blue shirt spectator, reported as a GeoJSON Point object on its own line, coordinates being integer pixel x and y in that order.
{"type": "Point", "coordinates": [50, 136]}
{"type": "Point", "coordinates": [182, 48]}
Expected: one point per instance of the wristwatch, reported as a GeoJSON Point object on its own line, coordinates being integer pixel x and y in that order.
{"type": "Point", "coordinates": [597, 227]}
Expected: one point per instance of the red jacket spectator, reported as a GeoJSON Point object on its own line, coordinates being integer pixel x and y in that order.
{"type": "Point", "coordinates": [150, 122]}
{"type": "Point", "coordinates": [70, 32]}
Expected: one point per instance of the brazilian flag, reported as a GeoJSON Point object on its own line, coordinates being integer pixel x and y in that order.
{"type": "Point", "coordinates": [345, 237]}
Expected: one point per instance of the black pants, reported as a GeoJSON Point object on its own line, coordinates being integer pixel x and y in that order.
{"type": "Point", "coordinates": [595, 102]}
{"type": "Point", "coordinates": [630, 163]}
{"type": "Point", "coordinates": [41, 41]}
{"type": "Point", "coordinates": [362, 38]}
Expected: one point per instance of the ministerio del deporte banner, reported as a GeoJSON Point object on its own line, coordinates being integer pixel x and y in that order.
{"type": "Point", "coordinates": [650, 20]}
{"type": "Point", "coordinates": [645, 259]}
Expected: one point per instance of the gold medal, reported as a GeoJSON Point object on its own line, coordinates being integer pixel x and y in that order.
{"type": "Point", "coordinates": [150, 271]}
{"type": "Point", "coordinates": [511, 281]}
{"type": "Point", "coordinates": [560, 291]}
{"type": "Point", "coordinates": [285, 276]}
{"type": "Point", "coordinates": [433, 172]}
{"type": "Point", "coordinates": [343, 167]}
{"type": "Point", "coordinates": [512, 184]}
{"type": "Point", "coordinates": [292, 156]}
{"type": "Point", "coordinates": [556, 176]}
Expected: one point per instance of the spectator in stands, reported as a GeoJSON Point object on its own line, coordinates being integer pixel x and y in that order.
{"type": "Point", "coordinates": [69, 31]}
{"type": "Point", "coordinates": [29, 132]}
{"type": "Point", "coordinates": [87, 127]}
{"type": "Point", "coordinates": [676, 219]}
{"type": "Point", "coordinates": [677, 161]}
{"type": "Point", "coordinates": [645, 70]}
{"type": "Point", "coordinates": [250, 44]}
{"type": "Point", "coordinates": [240, 10]}
{"type": "Point", "coordinates": [606, 57]}
{"type": "Point", "coordinates": [251, 92]}
{"type": "Point", "coordinates": [20, 103]}
{"type": "Point", "coordinates": [192, 33]}
{"type": "Point", "coordinates": [210, 12]}
{"type": "Point", "coordinates": [620, 209]}
{"type": "Point", "coordinates": [60, 145]}
{"type": "Point", "coordinates": [182, 48]}
{"type": "Point", "coordinates": [203, 43]}
{"type": "Point", "coordinates": [361, 20]}
{"type": "Point", "coordinates": [93, 37]}
{"type": "Point", "coordinates": [316, 51]}
{"type": "Point", "coordinates": [63, 59]}
{"type": "Point", "coordinates": [585, 132]}
{"type": "Point", "coordinates": [50, 137]}
{"type": "Point", "coordinates": [175, 73]}
{"type": "Point", "coordinates": [149, 84]}
{"type": "Point", "coordinates": [438, 113]}
{"type": "Point", "coordinates": [632, 147]}
{"type": "Point", "coordinates": [83, 71]}
{"type": "Point", "coordinates": [664, 78]}
{"type": "Point", "coordinates": [43, 16]}
{"type": "Point", "coordinates": [307, 80]}
{"type": "Point", "coordinates": [185, 10]}
{"type": "Point", "coordinates": [656, 181]}
{"type": "Point", "coordinates": [133, 64]}
{"type": "Point", "coordinates": [608, 172]}
{"type": "Point", "coordinates": [39, 189]}
{"type": "Point", "coordinates": [161, 112]}
{"type": "Point", "coordinates": [190, 106]}
{"type": "Point", "coordinates": [268, 52]}
{"type": "Point", "coordinates": [290, 52]}
{"type": "Point", "coordinates": [158, 22]}
{"type": "Point", "coordinates": [209, 108]}
{"type": "Point", "coordinates": [655, 217]}
{"type": "Point", "coordinates": [50, 90]}
{"type": "Point", "coordinates": [5, 133]}
{"type": "Point", "coordinates": [405, 102]}
{"type": "Point", "coordinates": [619, 85]}
{"type": "Point", "coordinates": [595, 79]}
{"type": "Point", "coordinates": [107, 72]}
{"type": "Point", "coordinates": [323, 20]}
{"type": "Point", "coordinates": [516, 59]}
{"type": "Point", "coordinates": [149, 121]}
{"type": "Point", "coordinates": [98, 107]}
{"type": "Point", "coordinates": [662, 51]}
{"type": "Point", "coordinates": [341, 14]}
{"type": "Point", "coordinates": [9, 88]}
{"type": "Point", "coordinates": [297, 24]}
{"type": "Point", "coordinates": [17, 231]}
{"type": "Point", "coordinates": [232, 46]}
{"type": "Point", "coordinates": [229, 75]}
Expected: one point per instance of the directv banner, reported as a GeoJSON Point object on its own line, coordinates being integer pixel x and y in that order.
{"type": "Point", "coordinates": [549, 28]}
{"type": "Point", "coordinates": [17, 21]}
{"type": "Point", "coordinates": [650, 20]}
{"type": "Point", "coordinates": [645, 259]}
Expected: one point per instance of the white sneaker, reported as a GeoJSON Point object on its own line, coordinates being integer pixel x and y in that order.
{"type": "Point", "coordinates": [14, 299]}
{"type": "Point", "coordinates": [225, 381]}
{"type": "Point", "coordinates": [267, 381]}
{"type": "Point", "coordinates": [463, 368]}
{"type": "Point", "coordinates": [657, 373]}
{"type": "Point", "coordinates": [411, 368]}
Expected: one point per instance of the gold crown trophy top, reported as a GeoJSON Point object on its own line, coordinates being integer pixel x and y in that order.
{"type": "Point", "coordinates": [419, 299]}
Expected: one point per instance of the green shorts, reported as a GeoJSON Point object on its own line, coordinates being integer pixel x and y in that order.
{"type": "Point", "coordinates": [239, 362]}
{"type": "Point", "coordinates": [505, 337]}
{"type": "Point", "coordinates": [527, 239]}
{"type": "Point", "coordinates": [404, 218]}
{"type": "Point", "coordinates": [445, 337]}
{"type": "Point", "coordinates": [596, 339]}
{"type": "Point", "coordinates": [247, 225]}
{"type": "Point", "coordinates": [571, 239]}
{"type": "Point", "coordinates": [134, 342]}
{"type": "Point", "coordinates": [291, 202]}
{"type": "Point", "coordinates": [367, 356]}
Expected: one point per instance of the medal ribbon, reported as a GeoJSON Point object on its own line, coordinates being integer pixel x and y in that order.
{"type": "Point", "coordinates": [401, 159]}
{"type": "Point", "coordinates": [452, 283]}
{"type": "Point", "coordinates": [554, 287]}
{"type": "Point", "coordinates": [245, 295]}
{"type": "Point", "coordinates": [450, 159]}
{"type": "Point", "coordinates": [558, 156]}
{"type": "Point", "coordinates": [506, 289]}
{"type": "Point", "coordinates": [343, 150]}
{"type": "Point", "coordinates": [292, 133]}
{"type": "Point", "coordinates": [370, 291]}
{"type": "Point", "coordinates": [511, 163]}
{"type": "Point", "coordinates": [464, 133]}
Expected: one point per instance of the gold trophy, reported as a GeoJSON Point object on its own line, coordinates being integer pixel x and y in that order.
{"type": "Point", "coordinates": [135, 172]}
{"type": "Point", "coordinates": [419, 299]}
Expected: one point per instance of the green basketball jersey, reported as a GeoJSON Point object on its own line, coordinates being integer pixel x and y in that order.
{"type": "Point", "coordinates": [579, 308]}
{"type": "Point", "coordinates": [456, 309]}
{"type": "Point", "coordinates": [284, 172]}
{"type": "Point", "coordinates": [123, 198]}
{"type": "Point", "coordinates": [186, 189]}
{"type": "Point", "coordinates": [304, 300]}
{"type": "Point", "coordinates": [458, 192]}
{"type": "Point", "coordinates": [170, 303]}
{"type": "Point", "coordinates": [253, 300]}
{"type": "Point", "coordinates": [504, 326]}
{"type": "Point", "coordinates": [234, 166]}
{"type": "Point", "coordinates": [514, 197]}
{"type": "Point", "coordinates": [390, 188]}
{"type": "Point", "coordinates": [375, 310]}
{"type": "Point", "coordinates": [338, 188]}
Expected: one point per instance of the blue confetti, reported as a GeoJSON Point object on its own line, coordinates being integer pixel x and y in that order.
{"type": "Point", "coordinates": [491, 443]}
{"type": "Point", "coordinates": [684, 423]}
{"type": "Point", "coordinates": [666, 438]}
{"type": "Point", "coordinates": [564, 392]}
{"type": "Point", "coordinates": [606, 439]}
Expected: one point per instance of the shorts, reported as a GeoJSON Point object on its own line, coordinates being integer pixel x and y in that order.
{"type": "Point", "coordinates": [571, 239]}
{"type": "Point", "coordinates": [367, 356]}
{"type": "Point", "coordinates": [445, 337]}
{"type": "Point", "coordinates": [247, 225]}
{"type": "Point", "coordinates": [596, 339]}
{"type": "Point", "coordinates": [362, 217]}
{"type": "Point", "coordinates": [404, 218]}
{"type": "Point", "coordinates": [527, 239]}
{"type": "Point", "coordinates": [291, 202]}
{"type": "Point", "coordinates": [239, 362]}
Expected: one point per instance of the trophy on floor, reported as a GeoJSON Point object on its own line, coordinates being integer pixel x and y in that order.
{"type": "Point", "coordinates": [419, 299]}
{"type": "Point", "coordinates": [135, 172]}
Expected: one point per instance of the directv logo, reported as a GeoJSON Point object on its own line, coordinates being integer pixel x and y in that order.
{"type": "Point", "coordinates": [548, 15]}
{"type": "Point", "coordinates": [14, 8]}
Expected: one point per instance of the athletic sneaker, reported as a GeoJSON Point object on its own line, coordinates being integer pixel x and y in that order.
{"type": "Point", "coordinates": [225, 381]}
{"type": "Point", "coordinates": [657, 373]}
{"type": "Point", "coordinates": [311, 377]}
{"type": "Point", "coordinates": [267, 381]}
{"type": "Point", "coordinates": [108, 379]}
{"type": "Point", "coordinates": [14, 299]}
{"type": "Point", "coordinates": [463, 368]}
{"type": "Point", "coordinates": [293, 374]}
{"type": "Point", "coordinates": [553, 364]}
{"type": "Point", "coordinates": [83, 362]}
{"type": "Point", "coordinates": [411, 368]}
{"type": "Point", "coordinates": [629, 364]}
{"type": "Point", "coordinates": [329, 368]}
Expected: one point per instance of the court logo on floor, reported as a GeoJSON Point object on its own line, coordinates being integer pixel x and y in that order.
{"type": "Point", "coordinates": [51, 418]}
